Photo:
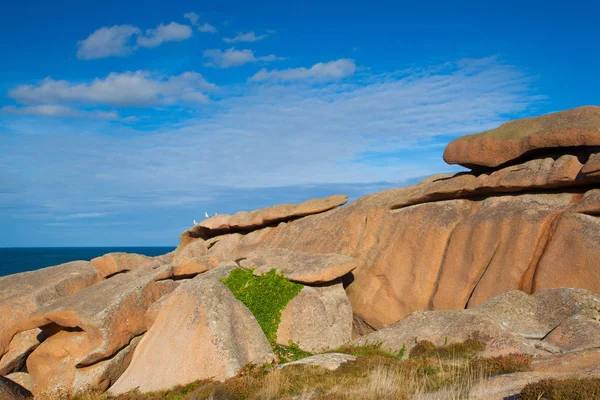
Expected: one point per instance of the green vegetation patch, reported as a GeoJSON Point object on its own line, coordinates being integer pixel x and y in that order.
{"type": "Point", "coordinates": [567, 389]}
{"type": "Point", "coordinates": [265, 296]}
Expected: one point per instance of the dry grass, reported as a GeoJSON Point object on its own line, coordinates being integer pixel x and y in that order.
{"type": "Point", "coordinates": [376, 375]}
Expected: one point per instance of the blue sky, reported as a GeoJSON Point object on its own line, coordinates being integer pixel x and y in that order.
{"type": "Point", "coordinates": [121, 122]}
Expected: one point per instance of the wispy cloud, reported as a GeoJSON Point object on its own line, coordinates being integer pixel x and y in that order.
{"type": "Point", "coordinates": [205, 27]}
{"type": "Point", "coordinates": [82, 216]}
{"type": "Point", "coordinates": [57, 110]}
{"type": "Point", "coordinates": [122, 40]}
{"type": "Point", "coordinates": [139, 88]}
{"type": "Point", "coordinates": [234, 58]}
{"type": "Point", "coordinates": [247, 37]}
{"type": "Point", "coordinates": [328, 71]}
{"type": "Point", "coordinates": [269, 143]}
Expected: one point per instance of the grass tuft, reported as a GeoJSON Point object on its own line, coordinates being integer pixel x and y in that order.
{"type": "Point", "coordinates": [567, 389]}
{"type": "Point", "coordinates": [453, 351]}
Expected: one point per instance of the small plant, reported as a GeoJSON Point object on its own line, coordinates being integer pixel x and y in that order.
{"type": "Point", "coordinates": [515, 362]}
{"type": "Point", "coordinates": [265, 296]}
{"type": "Point", "coordinates": [291, 352]}
{"type": "Point", "coordinates": [568, 389]}
{"type": "Point", "coordinates": [459, 350]}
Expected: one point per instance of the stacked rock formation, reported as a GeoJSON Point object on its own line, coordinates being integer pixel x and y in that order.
{"type": "Point", "coordinates": [420, 261]}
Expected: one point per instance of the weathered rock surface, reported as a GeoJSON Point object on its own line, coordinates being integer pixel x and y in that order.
{"type": "Point", "coordinates": [440, 327]}
{"type": "Point", "coordinates": [22, 379]}
{"type": "Point", "coordinates": [221, 336]}
{"type": "Point", "coordinates": [330, 361]}
{"type": "Point", "coordinates": [553, 320]}
{"type": "Point", "coordinates": [317, 319]}
{"type": "Point", "coordinates": [10, 390]}
{"type": "Point", "coordinates": [23, 294]}
{"type": "Point", "coordinates": [244, 220]}
{"type": "Point", "coordinates": [110, 313]}
{"type": "Point", "coordinates": [534, 316]}
{"type": "Point", "coordinates": [571, 128]}
{"type": "Point", "coordinates": [51, 365]}
{"type": "Point", "coordinates": [298, 266]}
{"type": "Point", "coordinates": [19, 349]}
{"type": "Point", "coordinates": [565, 172]}
{"type": "Point", "coordinates": [114, 263]}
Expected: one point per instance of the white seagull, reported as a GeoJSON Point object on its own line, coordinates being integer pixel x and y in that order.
{"type": "Point", "coordinates": [195, 223]}
{"type": "Point", "coordinates": [206, 215]}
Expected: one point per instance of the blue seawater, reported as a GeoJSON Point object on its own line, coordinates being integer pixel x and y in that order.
{"type": "Point", "coordinates": [20, 259]}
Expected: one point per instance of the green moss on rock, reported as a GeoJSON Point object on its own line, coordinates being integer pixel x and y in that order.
{"type": "Point", "coordinates": [265, 296]}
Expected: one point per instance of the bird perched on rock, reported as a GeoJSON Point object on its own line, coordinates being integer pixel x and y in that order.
{"type": "Point", "coordinates": [206, 215]}
{"type": "Point", "coordinates": [195, 223]}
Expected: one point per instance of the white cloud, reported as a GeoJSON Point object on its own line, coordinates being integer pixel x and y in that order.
{"type": "Point", "coordinates": [59, 111]}
{"type": "Point", "coordinates": [247, 37]}
{"type": "Point", "coordinates": [122, 40]}
{"type": "Point", "coordinates": [328, 71]}
{"type": "Point", "coordinates": [235, 58]}
{"type": "Point", "coordinates": [107, 42]}
{"type": "Point", "coordinates": [193, 18]}
{"type": "Point", "coordinates": [172, 32]}
{"type": "Point", "coordinates": [229, 58]}
{"type": "Point", "coordinates": [139, 88]}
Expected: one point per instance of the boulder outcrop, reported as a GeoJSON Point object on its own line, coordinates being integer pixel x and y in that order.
{"type": "Point", "coordinates": [317, 319]}
{"type": "Point", "coordinates": [571, 128]}
{"type": "Point", "coordinates": [202, 331]}
{"type": "Point", "coordinates": [21, 295]}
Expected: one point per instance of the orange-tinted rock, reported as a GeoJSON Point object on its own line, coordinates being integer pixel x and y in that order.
{"type": "Point", "coordinates": [248, 221]}
{"type": "Point", "coordinates": [52, 371]}
{"type": "Point", "coordinates": [20, 347]}
{"type": "Point", "coordinates": [317, 319]}
{"type": "Point", "coordinates": [571, 128]}
{"type": "Point", "coordinates": [110, 313]}
{"type": "Point", "coordinates": [22, 294]}
{"type": "Point", "coordinates": [533, 175]}
{"type": "Point", "coordinates": [298, 266]}
{"type": "Point", "coordinates": [202, 331]}
{"type": "Point", "coordinates": [114, 263]}
{"type": "Point", "coordinates": [10, 390]}
{"type": "Point", "coordinates": [571, 257]}
{"type": "Point", "coordinates": [500, 232]}
{"type": "Point", "coordinates": [592, 166]}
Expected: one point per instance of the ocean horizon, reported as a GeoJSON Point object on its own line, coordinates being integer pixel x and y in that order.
{"type": "Point", "coordinates": [22, 259]}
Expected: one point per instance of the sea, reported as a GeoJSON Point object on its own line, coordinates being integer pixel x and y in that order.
{"type": "Point", "coordinates": [21, 259]}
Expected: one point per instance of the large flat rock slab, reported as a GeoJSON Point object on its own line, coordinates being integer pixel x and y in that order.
{"type": "Point", "coordinates": [570, 128]}
{"type": "Point", "coordinates": [200, 332]}
{"type": "Point", "coordinates": [244, 221]}
{"type": "Point", "coordinates": [298, 266]}
{"type": "Point", "coordinates": [563, 172]}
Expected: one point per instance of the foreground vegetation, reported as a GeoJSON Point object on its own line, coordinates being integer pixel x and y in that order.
{"type": "Point", "coordinates": [375, 374]}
